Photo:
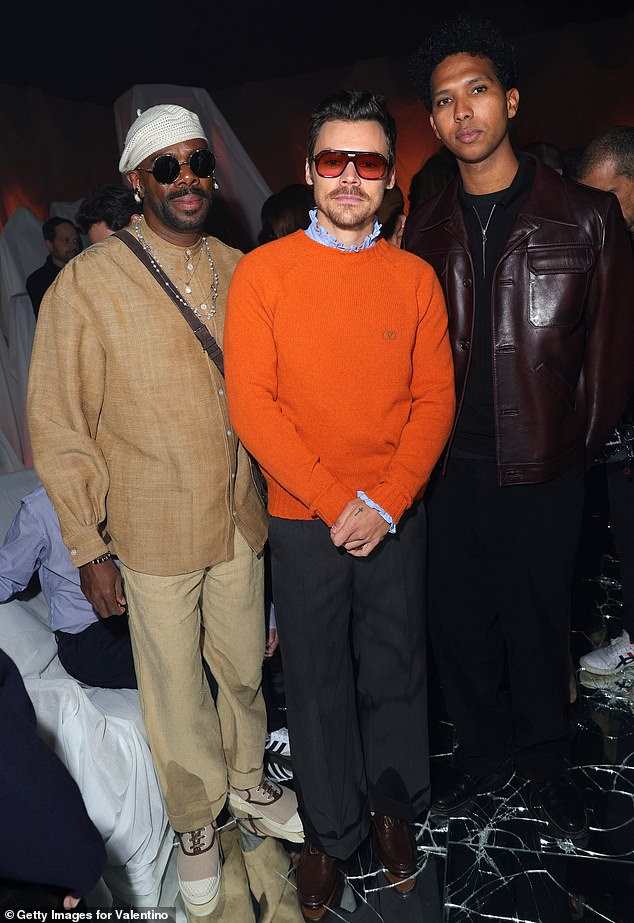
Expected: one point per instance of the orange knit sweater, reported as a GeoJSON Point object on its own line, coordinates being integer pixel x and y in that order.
{"type": "Point", "coordinates": [339, 374]}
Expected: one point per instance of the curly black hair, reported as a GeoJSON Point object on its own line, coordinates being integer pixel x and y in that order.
{"type": "Point", "coordinates": [462, 34]}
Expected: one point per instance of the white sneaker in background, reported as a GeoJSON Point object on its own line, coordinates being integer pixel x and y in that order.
{"type": "Point", "coordinates": [620, 685]}
{"type": "Point", "coordinates": [277, 742]}
{"type": "Point", "coordinates": [618, 655]}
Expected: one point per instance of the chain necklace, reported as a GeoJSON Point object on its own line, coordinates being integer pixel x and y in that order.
{"type": "Point", "coordinates": [203, 311]}
{"type": "Point", "coordinates": [484, 228]}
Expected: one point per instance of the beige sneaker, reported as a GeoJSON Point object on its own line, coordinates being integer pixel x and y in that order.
{"type": "Point", "coordinates": [199, 867]}
{"type": "Point", "coordinates": [272, 808]}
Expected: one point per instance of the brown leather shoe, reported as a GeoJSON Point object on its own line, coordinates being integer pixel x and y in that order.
{"type": "Point", "coordinates": [395, 846]}
{"type": "Point", "coordinates": [319, 882]}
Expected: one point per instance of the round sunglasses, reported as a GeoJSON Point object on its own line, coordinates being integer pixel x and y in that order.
{"type": "Point", "coordinates": [166, 168]}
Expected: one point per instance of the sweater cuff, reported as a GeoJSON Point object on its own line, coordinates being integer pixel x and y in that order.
{"type": "Point", "coordinates": [391, 498]}
{"type": "Point", "coordinates": [328, 506]}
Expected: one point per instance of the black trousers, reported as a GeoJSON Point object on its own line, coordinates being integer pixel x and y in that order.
{"type": "Point", "coordinates": [501, 561]}
{"type": "Point", "coordinates": [48, 838]}
{"type": "Point", "coordinates": [352, 637]}
{"type": "Point", "coordinates": [100, 655]}
{"type": "Point", "coordinates": [621, 501]}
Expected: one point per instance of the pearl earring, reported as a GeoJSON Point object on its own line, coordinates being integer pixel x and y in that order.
{"type": "Point", "coordinates": [137, 195]}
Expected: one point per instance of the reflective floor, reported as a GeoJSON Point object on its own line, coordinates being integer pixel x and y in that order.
{"type": "Point", "coordinates": [496, 863]}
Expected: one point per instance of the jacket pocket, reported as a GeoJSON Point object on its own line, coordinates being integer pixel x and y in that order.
{"type": "Point", "coordinates": [558, 280]}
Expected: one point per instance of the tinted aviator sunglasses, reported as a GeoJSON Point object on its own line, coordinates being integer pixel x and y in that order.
{"type": "Point", "coordinates": [368, 164]}
{"type": "Point", "coordinates": [166, 168]}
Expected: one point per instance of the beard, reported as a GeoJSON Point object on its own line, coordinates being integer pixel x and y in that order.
{"type": "Point", "coordinates": [347, 216]}
{"type": "Point", "coordinates": [177, 220]}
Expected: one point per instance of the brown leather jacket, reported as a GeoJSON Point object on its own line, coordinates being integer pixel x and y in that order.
{"type": "Point", "coordinates": [562, 320]}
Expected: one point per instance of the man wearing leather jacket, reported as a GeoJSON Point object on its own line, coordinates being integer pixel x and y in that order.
{"type": "Point", "coordinates": [537, 273]}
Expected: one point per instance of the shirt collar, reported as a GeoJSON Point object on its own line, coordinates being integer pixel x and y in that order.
{"type": "Point", "coordinates": [316, 232]}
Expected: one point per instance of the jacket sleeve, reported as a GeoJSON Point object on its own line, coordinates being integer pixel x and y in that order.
{"type": "Point", "coordinates": [608, 369]}
{"type": "Point", "coordinates": [65, 394]}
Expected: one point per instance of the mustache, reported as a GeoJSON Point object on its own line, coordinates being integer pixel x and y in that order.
{"type": "Point", "coordinates": [360, 193]}
{"type": "Point", "coordinates": [179, 193]}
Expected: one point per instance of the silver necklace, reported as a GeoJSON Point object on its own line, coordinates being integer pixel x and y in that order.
{"type": "Point", "coordinates": [203, 311]}
{"type": "Point", "coordinates": [484, 228]}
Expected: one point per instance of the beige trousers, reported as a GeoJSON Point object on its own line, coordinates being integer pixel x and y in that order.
{"type": "Point", "coordinates": [197, 746]}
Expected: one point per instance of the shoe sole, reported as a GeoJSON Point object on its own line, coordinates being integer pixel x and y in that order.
{"type": "Point", "coordinates": [201, 910]}
{"type": "Point", "coordinates": [580, 838]}
{"type": "Point", "coordinates": [403, 884]}
{"type": "Point", "coordinates": [605, 671]}
{"type": "Point", "coordinates": [404, 887]}
{"type": "Point", "coordinates": [241, 808]}
{"type": "Point", "coordinates": [315, 914]}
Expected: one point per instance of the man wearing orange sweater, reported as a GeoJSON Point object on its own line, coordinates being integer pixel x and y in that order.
{"type": "Point", "coordinates": [340, 383]}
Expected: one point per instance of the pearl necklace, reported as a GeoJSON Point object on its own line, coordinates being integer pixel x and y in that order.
{"type": "Point", "coordinates": [203, 311]}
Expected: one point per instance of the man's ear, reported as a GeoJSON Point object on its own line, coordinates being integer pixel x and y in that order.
{"type": "Point", "coordinates": [512, 102]}
{"type": "Point", "coordinates": [309, 178]}
{"type": "Point", "coordinates": [433, 126]}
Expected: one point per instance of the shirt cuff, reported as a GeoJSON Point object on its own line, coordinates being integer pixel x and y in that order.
{"type": "Point", "coordinates": [380, 510]}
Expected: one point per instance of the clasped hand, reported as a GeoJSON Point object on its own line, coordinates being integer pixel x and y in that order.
{"type": "Point", "coordinates": [359, 529]}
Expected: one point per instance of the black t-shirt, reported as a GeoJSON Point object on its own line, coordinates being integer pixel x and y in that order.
{"type": "Point", "coordinates": [496, 213]}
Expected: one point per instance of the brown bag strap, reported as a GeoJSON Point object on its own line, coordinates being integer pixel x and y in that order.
{"type": "Point", "coordinates": [208, 342]}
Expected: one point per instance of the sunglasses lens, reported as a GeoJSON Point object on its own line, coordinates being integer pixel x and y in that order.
{"type": "Point", "coordinates": [331, 163]}
{"type": "Point", "coordinates": [370, 166]}
{"type": "Point", "coordinates": [165, 169]}
{"type": "Point", "coordinates": [203, 163]}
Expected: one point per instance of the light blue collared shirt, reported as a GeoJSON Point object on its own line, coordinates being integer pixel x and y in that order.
{"type": "Point", "coordinates": [34, 543]}
{"type": "Point", "coordinates": [316, 232]}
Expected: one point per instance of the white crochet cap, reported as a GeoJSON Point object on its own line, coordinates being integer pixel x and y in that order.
{"type": "Point", "coordinates": [156, 128]}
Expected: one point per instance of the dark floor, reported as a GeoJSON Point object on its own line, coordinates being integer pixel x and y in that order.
{"type": "Point", "coordinates": [496, 863]}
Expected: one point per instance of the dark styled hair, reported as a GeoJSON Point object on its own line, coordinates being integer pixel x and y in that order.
{"type": "Point", "coordinates": [285, 211]}
{"type": "Point", "coordinates": [111, 203]}
{"type": "Point", "coordinates": [49, 228]}
{"type": "Point", "coordinates": [457, 35]}
{"type": "Point", "coordinates": [617, 144]}
{"type": "Point", "coordinates": [353, 106]}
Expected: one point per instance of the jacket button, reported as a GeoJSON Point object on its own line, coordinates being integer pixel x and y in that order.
{"type": "Point", "coordinates": [464, 344]}
{"type": "Point", "coordinates": [468, 283]}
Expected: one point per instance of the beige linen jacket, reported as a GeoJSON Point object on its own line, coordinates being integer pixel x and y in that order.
{"type": "Point", "coordinates": [129, 423]}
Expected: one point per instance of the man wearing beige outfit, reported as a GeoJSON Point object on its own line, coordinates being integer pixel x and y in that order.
{"type": "Point", "coordinates": [133, 442]}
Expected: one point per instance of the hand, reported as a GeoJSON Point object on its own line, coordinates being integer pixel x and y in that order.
{"type": "Point", "coordinates": [271, 643]}
{"type": "Point", "coordinates": [102, 586]}
{"type": "Point", "coordinates": [359, 529]}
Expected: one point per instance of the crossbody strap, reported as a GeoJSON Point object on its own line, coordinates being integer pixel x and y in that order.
{"type": "Point", "coordinates": [208, 342]}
